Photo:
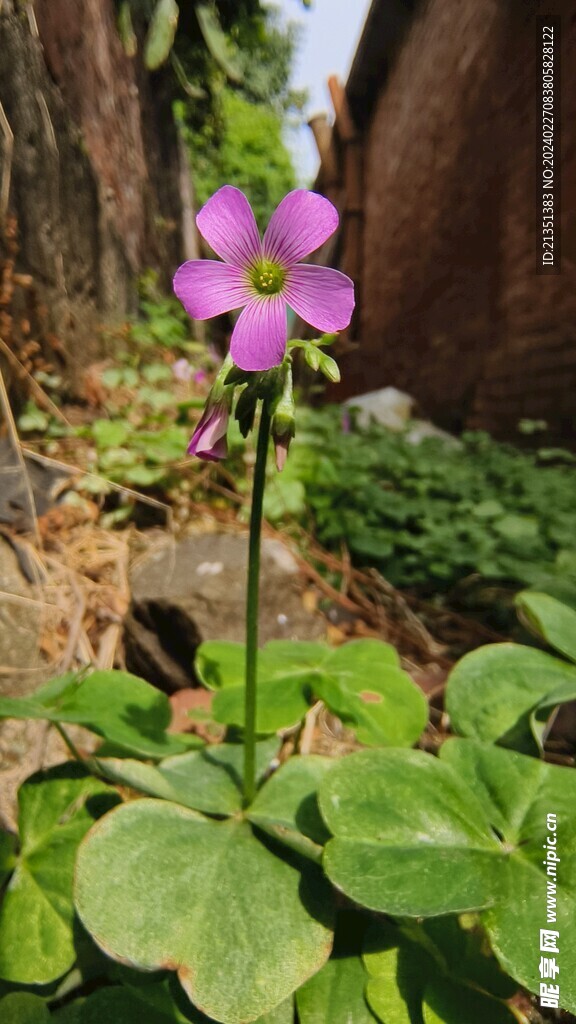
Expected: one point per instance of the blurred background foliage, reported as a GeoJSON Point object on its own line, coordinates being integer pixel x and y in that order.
{"type": "Point", "coordinates": [231, 66]}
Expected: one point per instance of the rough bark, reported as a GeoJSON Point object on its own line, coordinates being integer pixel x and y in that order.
{"type": "Point", "coordinates": [94, 172]}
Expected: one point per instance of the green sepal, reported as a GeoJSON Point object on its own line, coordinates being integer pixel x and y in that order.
{"type": "Point", "coordinates": [284, 408]}
{"type": "Point", "coordinates": [245, 411]}
{"type": "Point", "coordinates": [238, 376]}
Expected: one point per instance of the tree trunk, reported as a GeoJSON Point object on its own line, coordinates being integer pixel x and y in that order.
{"type": "Point", "coordinates": [93, 176]}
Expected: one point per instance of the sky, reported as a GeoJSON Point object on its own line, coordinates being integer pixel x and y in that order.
{"type": "Point", "coordinates": [330, 31]}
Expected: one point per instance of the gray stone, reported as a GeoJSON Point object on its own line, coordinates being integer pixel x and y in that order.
{"type": "Point", "coordinates": [195, 590]}
{"type": "Point", "coordinates": [388, 406]}
{"type": "Point", "coordinates": [394, 409]}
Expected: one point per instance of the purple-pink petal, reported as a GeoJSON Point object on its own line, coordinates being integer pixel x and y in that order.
{"type": "Point", "coordinates": [227, 223]}
{"type": "Point", "coordinates": [209, 439]}
{"type": "Point", "coordinates": [299, 225]}
{"type": "Point", "coordinates": [259, 337]}
{"type": "Point", "coordinates": [207, 288]}
{"type": "Point", "coordinates": [321, 296]}
{"type": "Point", "coordinates": [218, 451]}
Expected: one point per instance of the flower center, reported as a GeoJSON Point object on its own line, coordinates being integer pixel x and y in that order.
{"type": "Point", "coordinates": [267, 277]}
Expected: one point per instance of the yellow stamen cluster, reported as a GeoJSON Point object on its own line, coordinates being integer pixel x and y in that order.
{"type": "Point", "coordinates": [267, 277]}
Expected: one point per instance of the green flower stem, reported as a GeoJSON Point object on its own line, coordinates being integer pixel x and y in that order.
{"type": "Point", "coordinates": [252, 606]}
{"type": "Point", "coordinates": [69, 743]}
{"type": "Point", "coordinates": [90, 763]}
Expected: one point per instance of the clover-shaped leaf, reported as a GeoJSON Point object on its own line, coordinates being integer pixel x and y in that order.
{"type": "Point", "coordinates": [208, 780]}
{"type": "Point", "coordinates": [420, 973]}
{"type": "Point", "coordinates": [409, 837]}
{"type": "Point", "coordinates": [550, 619]}
{"type": "Point", "coordinates": [492, 692]}
{"type": "Point", "coordinates": [161, 886]}
{"type": "Point", "coordinates": [285, 673]}
{"type": "Point", "coordinates": [518, 794]}
{"type": "Point", "coordinates": [125, 710]}
{"type": "Point", "coordinates": [24, 1008]}
{"type": "Point", "coordinates": [336, 994]}
{"type": "Point", "coordinates": [143, 1000]}
{"type": "Point", "coordinates": [280, 703]}
{"type": "Point", "coordinates": [417, 836]}
{"type": "Point", "coordinates": [57, 808]}
{"type": "Point", "coordinates": [287, 808]}
{"type": "Point", "coordinates": [221, 663]}
{"type": "Point", "coordinates": [361, 681]}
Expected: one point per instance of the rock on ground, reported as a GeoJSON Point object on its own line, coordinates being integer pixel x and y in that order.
{"type": "Point", "coordinates": [195, 590]}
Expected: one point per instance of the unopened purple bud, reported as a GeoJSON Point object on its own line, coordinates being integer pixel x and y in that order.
{"type": "Point", "coordinates": [281, 446]}
{"type": "Point", "coordinates": [209, 439]}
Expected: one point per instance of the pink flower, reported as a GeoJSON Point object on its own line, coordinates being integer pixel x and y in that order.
{"type": "Point", "coordinates": [209, 439]}
{"type": "Point", "coordinates": [264, 276]}
{"type": "Point", "coordinates": [182, 370]}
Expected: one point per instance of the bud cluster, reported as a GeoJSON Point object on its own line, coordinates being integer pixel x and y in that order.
{"type": "Point", "coordinates": [272, 387]}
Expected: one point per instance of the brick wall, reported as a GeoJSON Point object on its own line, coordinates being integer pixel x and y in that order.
{"type": "Point", "coordinates": [452, 309]}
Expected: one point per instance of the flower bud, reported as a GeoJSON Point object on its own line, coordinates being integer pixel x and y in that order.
{"type": "Point", "coordinates": [209, 439]}
{"type": "Point", "coordinates": [312, 357]}
{"type": "Point", "coordinates": [329, 367]}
